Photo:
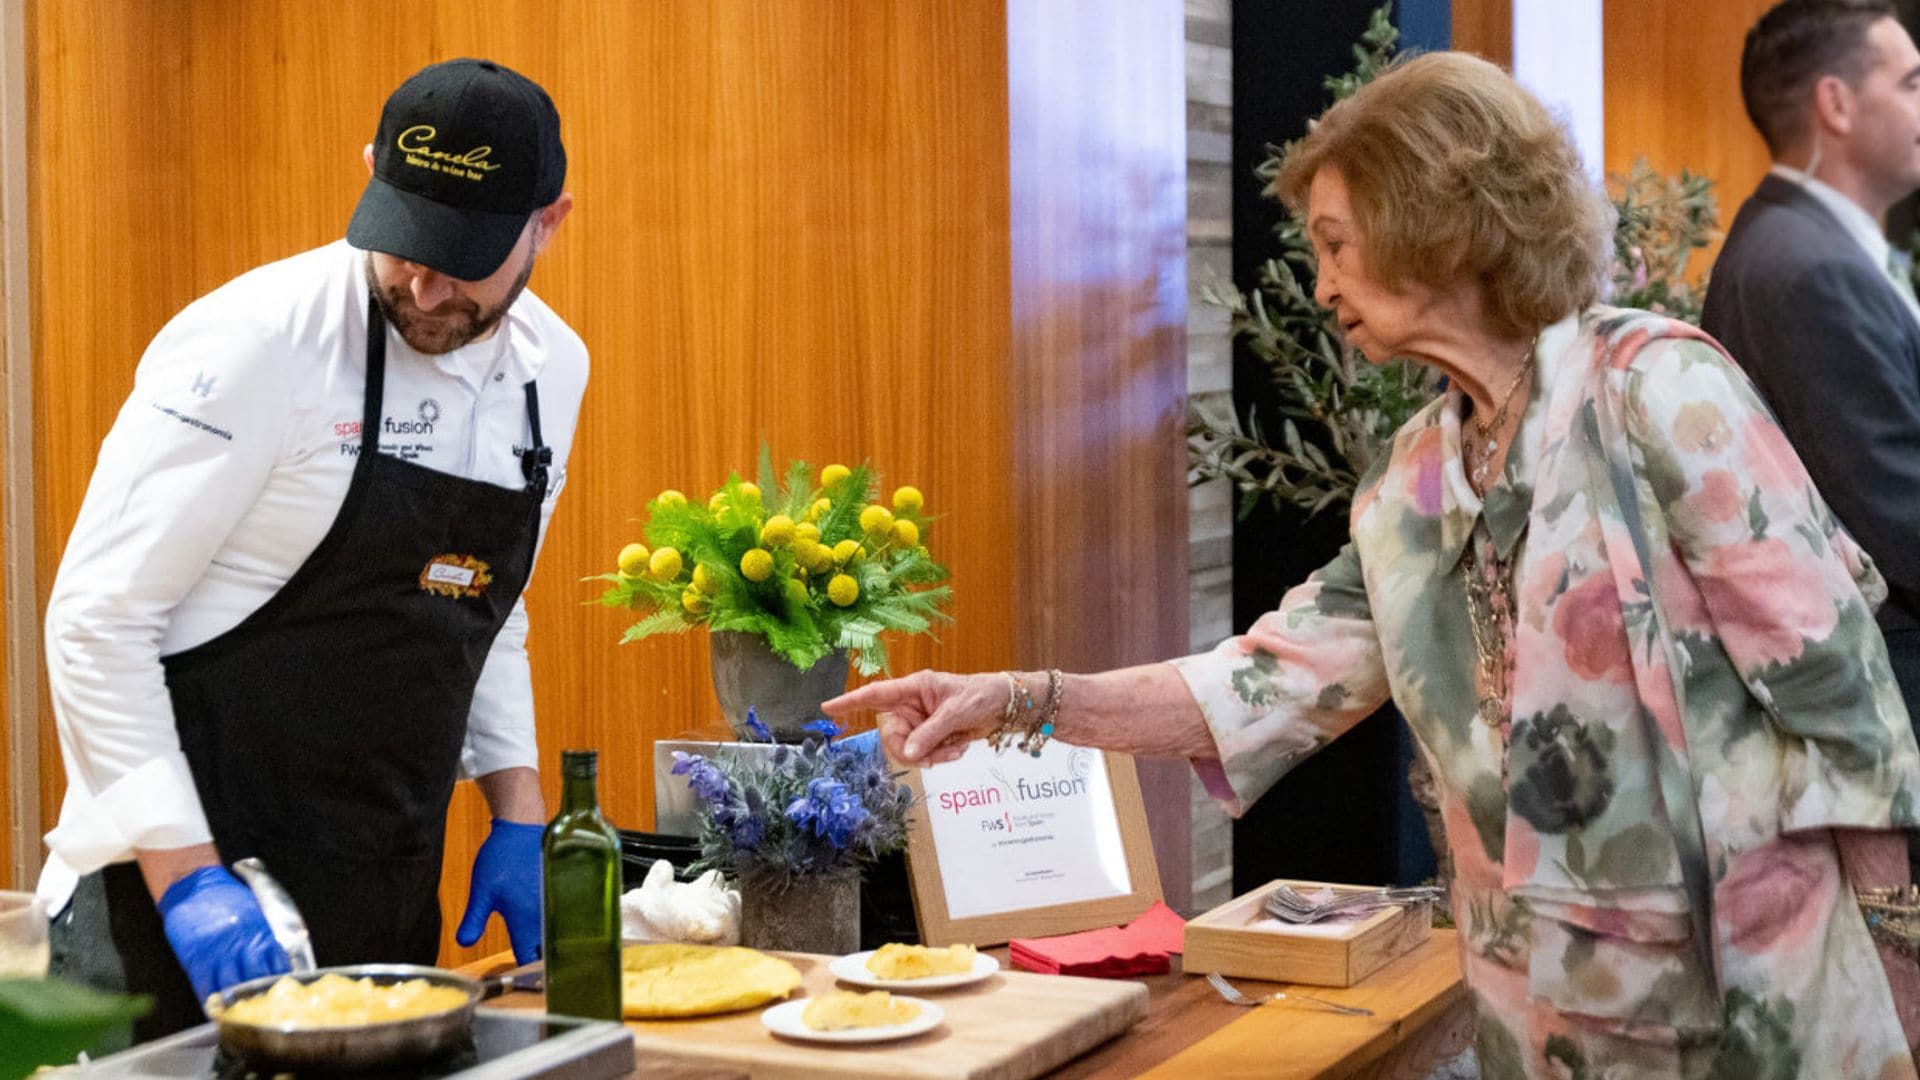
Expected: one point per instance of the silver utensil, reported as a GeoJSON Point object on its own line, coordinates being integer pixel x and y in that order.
{"type": "Point", "coordinates": [283, 918]}
{"type": "Point", "coordinates": [1288, 904]}
{"type": "Point", "coordinates": [1232, 994]}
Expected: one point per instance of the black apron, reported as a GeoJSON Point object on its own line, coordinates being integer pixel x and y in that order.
{"type": "Point", "coordinates": [324, 731]}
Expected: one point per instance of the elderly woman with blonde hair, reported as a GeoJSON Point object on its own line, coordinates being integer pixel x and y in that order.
{"type": "Point", "coordinates": [1631, 642]}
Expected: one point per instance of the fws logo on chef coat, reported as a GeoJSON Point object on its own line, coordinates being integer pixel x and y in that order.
{"type": "Point", "coordinates": [1069, 784]}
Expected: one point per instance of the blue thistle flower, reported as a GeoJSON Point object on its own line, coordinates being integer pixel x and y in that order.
{"type": "Point", "coordinates": [758, 729]}
{"type": "Point", "coordinates": [709, 783]}
{"type": "Point", "coordinates": [829, 810]}
{"type": "Point", "coordinates": [824, 728]}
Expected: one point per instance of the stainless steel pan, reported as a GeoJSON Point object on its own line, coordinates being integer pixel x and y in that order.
{"type": "Point", "coordinates": [356, 1046]}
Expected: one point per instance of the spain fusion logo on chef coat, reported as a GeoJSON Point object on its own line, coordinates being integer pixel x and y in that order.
{"type": "Point", "coordinates": [455, 576]}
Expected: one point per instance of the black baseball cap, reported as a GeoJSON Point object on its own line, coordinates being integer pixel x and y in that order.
{"type": "Point", "coordinates": [465, 152]}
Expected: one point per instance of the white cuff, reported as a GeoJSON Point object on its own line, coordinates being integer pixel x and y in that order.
{"type": "Point", "coordinates": [154, 806]}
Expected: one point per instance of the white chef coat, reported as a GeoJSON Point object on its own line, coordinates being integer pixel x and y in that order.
{"type": "Point", "coordinates": [224, 470]}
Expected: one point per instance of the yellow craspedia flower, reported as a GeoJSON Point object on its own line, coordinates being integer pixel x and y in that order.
{"type": "Point", "coordinates": [797, 591]}
{"type": "Point", "coordinates": [876, 520]}
{"type": "Point", "coordinates": [819, 509]}
{"type": "Point", "coordinates": [906, 533]}
{"type": "Point", "coordinates": [693, 600]}
{"type": "Point", "coordinates": [750, 492]}
{"type": "Point", "coordinates": [844, 551]}
{"type": "Point", "coordinates": [717, 503]}
{"type": "Point", "coordinates": [670, 497]}
{"type": "Point", "coordinates": [812, 555]}
{"type": "Point", "coordinates": [665, 564]}
{"type": "Point", "coordinates": [756, 564]}
{"type": "Point", "coordinates": [806, 530]}
{"type": "Point", "coordinates": [833, 474]}
{"type": "Point", "coordinates": [633, 560]}
{"type": "Point", "coordinates": [778, 532]}
{"type": "Point", "coordinates": [704, 581]}
{"type": "Point", "coordinates": [843, 590]}
{"type": "Point", "coordinates": [908, 500]}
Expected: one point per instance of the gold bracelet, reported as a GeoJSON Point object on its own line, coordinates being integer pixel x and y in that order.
{"type": "Point", "coordinates": [1893, 917]}
{"type": "Point", "coordinates": [1016, 718]}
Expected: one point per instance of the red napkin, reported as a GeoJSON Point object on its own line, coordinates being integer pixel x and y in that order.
{"type": "Point", "coordinates": [1139, 948]}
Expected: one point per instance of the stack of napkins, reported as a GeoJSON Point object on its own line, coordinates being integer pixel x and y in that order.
{"type": "Point", "coordinates": [1139, 948]}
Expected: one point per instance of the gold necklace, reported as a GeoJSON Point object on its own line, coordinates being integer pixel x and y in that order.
{"type": "Point", "coordinates": [1490, 614]}
{"type": "Point", "coordinates": [1485, 441]}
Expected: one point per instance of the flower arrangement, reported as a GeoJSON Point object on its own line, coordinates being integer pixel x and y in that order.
{"type": "Point", "coordinates": [809, 567]}
{"type": "Point", "coordinates": [823, 807]}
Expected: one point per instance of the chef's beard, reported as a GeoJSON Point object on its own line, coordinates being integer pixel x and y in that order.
{"type": "Point", "coordinates": [456, 322]}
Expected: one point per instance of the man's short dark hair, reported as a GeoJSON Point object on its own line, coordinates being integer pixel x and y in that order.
{"type": "Point", "coordinates": [1794, 45]}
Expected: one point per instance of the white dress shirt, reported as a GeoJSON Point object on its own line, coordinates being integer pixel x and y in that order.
{"type": "Point", "coordinates": [1856, 221]}
{"type": "Point", "coordinates": [225, 468]}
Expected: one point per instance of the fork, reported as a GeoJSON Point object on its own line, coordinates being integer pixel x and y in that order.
{"type": "Point", "coordinates": [1232, 994]}
{"type": "Point", "coordinates": [1288, 904]}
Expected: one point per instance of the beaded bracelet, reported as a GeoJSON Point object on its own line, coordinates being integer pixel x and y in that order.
{"type": "Point", "coordinates": [1021, 726]}
{"type": "Point", "coordinates": [1893, 917]}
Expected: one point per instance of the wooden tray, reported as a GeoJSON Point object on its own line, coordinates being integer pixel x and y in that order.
{"type": "Point", "coordinates": [1239, 938]}
{"type": "Point", "coordinates": [1013, 1026]}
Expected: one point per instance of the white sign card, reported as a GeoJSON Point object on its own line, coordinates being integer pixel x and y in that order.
{"type": "Point", "coordinates": [1016, 832]}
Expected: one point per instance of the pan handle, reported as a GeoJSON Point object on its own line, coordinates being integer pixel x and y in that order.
{"type": "Point", "coordinates": [283, 918]}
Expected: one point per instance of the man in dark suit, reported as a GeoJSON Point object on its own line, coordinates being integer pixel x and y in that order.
{"type": "Point", "coordinates": [1808, 296]}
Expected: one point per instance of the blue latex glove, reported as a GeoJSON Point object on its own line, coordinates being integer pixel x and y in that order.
{"type": "Point", "coordinates": [506, 879]}
{"type": "Point", "coordinates": [218, 931]}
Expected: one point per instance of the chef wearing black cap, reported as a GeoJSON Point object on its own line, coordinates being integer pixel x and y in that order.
{"type": "Point", "coordinates": [288, 617]}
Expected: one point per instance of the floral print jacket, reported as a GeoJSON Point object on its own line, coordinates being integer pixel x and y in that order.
{"type": "Point", "coordinates": [1644, 881]}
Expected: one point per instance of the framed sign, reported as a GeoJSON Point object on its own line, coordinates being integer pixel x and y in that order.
{"type": "Point", "coordinates": [1009, 845]}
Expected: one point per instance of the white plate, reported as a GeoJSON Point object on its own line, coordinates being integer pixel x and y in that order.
{"type": "Point", "coordinates": [784, 1019]}
{"type": "Point", "coordinates": [853, 968]}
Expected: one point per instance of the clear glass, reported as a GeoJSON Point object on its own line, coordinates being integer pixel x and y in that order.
{"type": "Point", "coordinates": [580, 857]}
{"type": "Point", "coordinates": [23, 936]}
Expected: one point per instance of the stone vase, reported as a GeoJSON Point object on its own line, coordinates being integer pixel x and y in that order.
{"type": "Point", "coordinates": [748, 674]}
{"type": "Point", "coordinates": [816, 913]}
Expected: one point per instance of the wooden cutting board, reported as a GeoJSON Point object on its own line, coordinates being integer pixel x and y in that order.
{"type": "Point", "coordinates": [1012, 1026]}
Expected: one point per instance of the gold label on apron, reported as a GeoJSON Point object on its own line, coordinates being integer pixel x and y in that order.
{"type": "Point", "coordinates": [455, 576]}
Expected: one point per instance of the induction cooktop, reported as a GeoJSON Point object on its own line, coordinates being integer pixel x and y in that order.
{"type": "Point", "coordinates": [505, 1043]}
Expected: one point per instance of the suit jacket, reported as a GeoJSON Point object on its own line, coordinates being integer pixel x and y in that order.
{"type": "Point", "coordinates": [1835, 352]}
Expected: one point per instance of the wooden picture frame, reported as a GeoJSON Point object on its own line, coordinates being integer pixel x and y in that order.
{"type": "Point", "coordinates": [928, 873]}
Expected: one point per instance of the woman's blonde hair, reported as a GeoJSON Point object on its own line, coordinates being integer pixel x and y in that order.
{"type": "Point", "coordinates": [1455, 171]}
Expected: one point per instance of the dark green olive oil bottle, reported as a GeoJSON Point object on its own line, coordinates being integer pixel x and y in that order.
{"type": "Point", "coordinates": [581, 862]}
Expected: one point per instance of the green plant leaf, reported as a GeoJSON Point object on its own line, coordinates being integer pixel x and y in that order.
{"type": "Point", "coordinates": [50, 1021]}
{"type": "Point", "coordinates": [660, 622]}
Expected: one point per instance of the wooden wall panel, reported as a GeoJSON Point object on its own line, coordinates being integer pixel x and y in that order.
{"type": "Point", "coordinates": [1673, 95]}
{"type": "Point", "coordinates": [791, 225]}
{"type": "Point", "coordinates": [18, 624]}
{"type": "Point", "coordinates": [1484, 27]}
{"type": "Point", "coordinates": [1098, 146]}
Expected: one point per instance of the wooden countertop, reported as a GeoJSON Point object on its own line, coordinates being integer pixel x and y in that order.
{"type": "Point", "coordinates": [1421, 1019]}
